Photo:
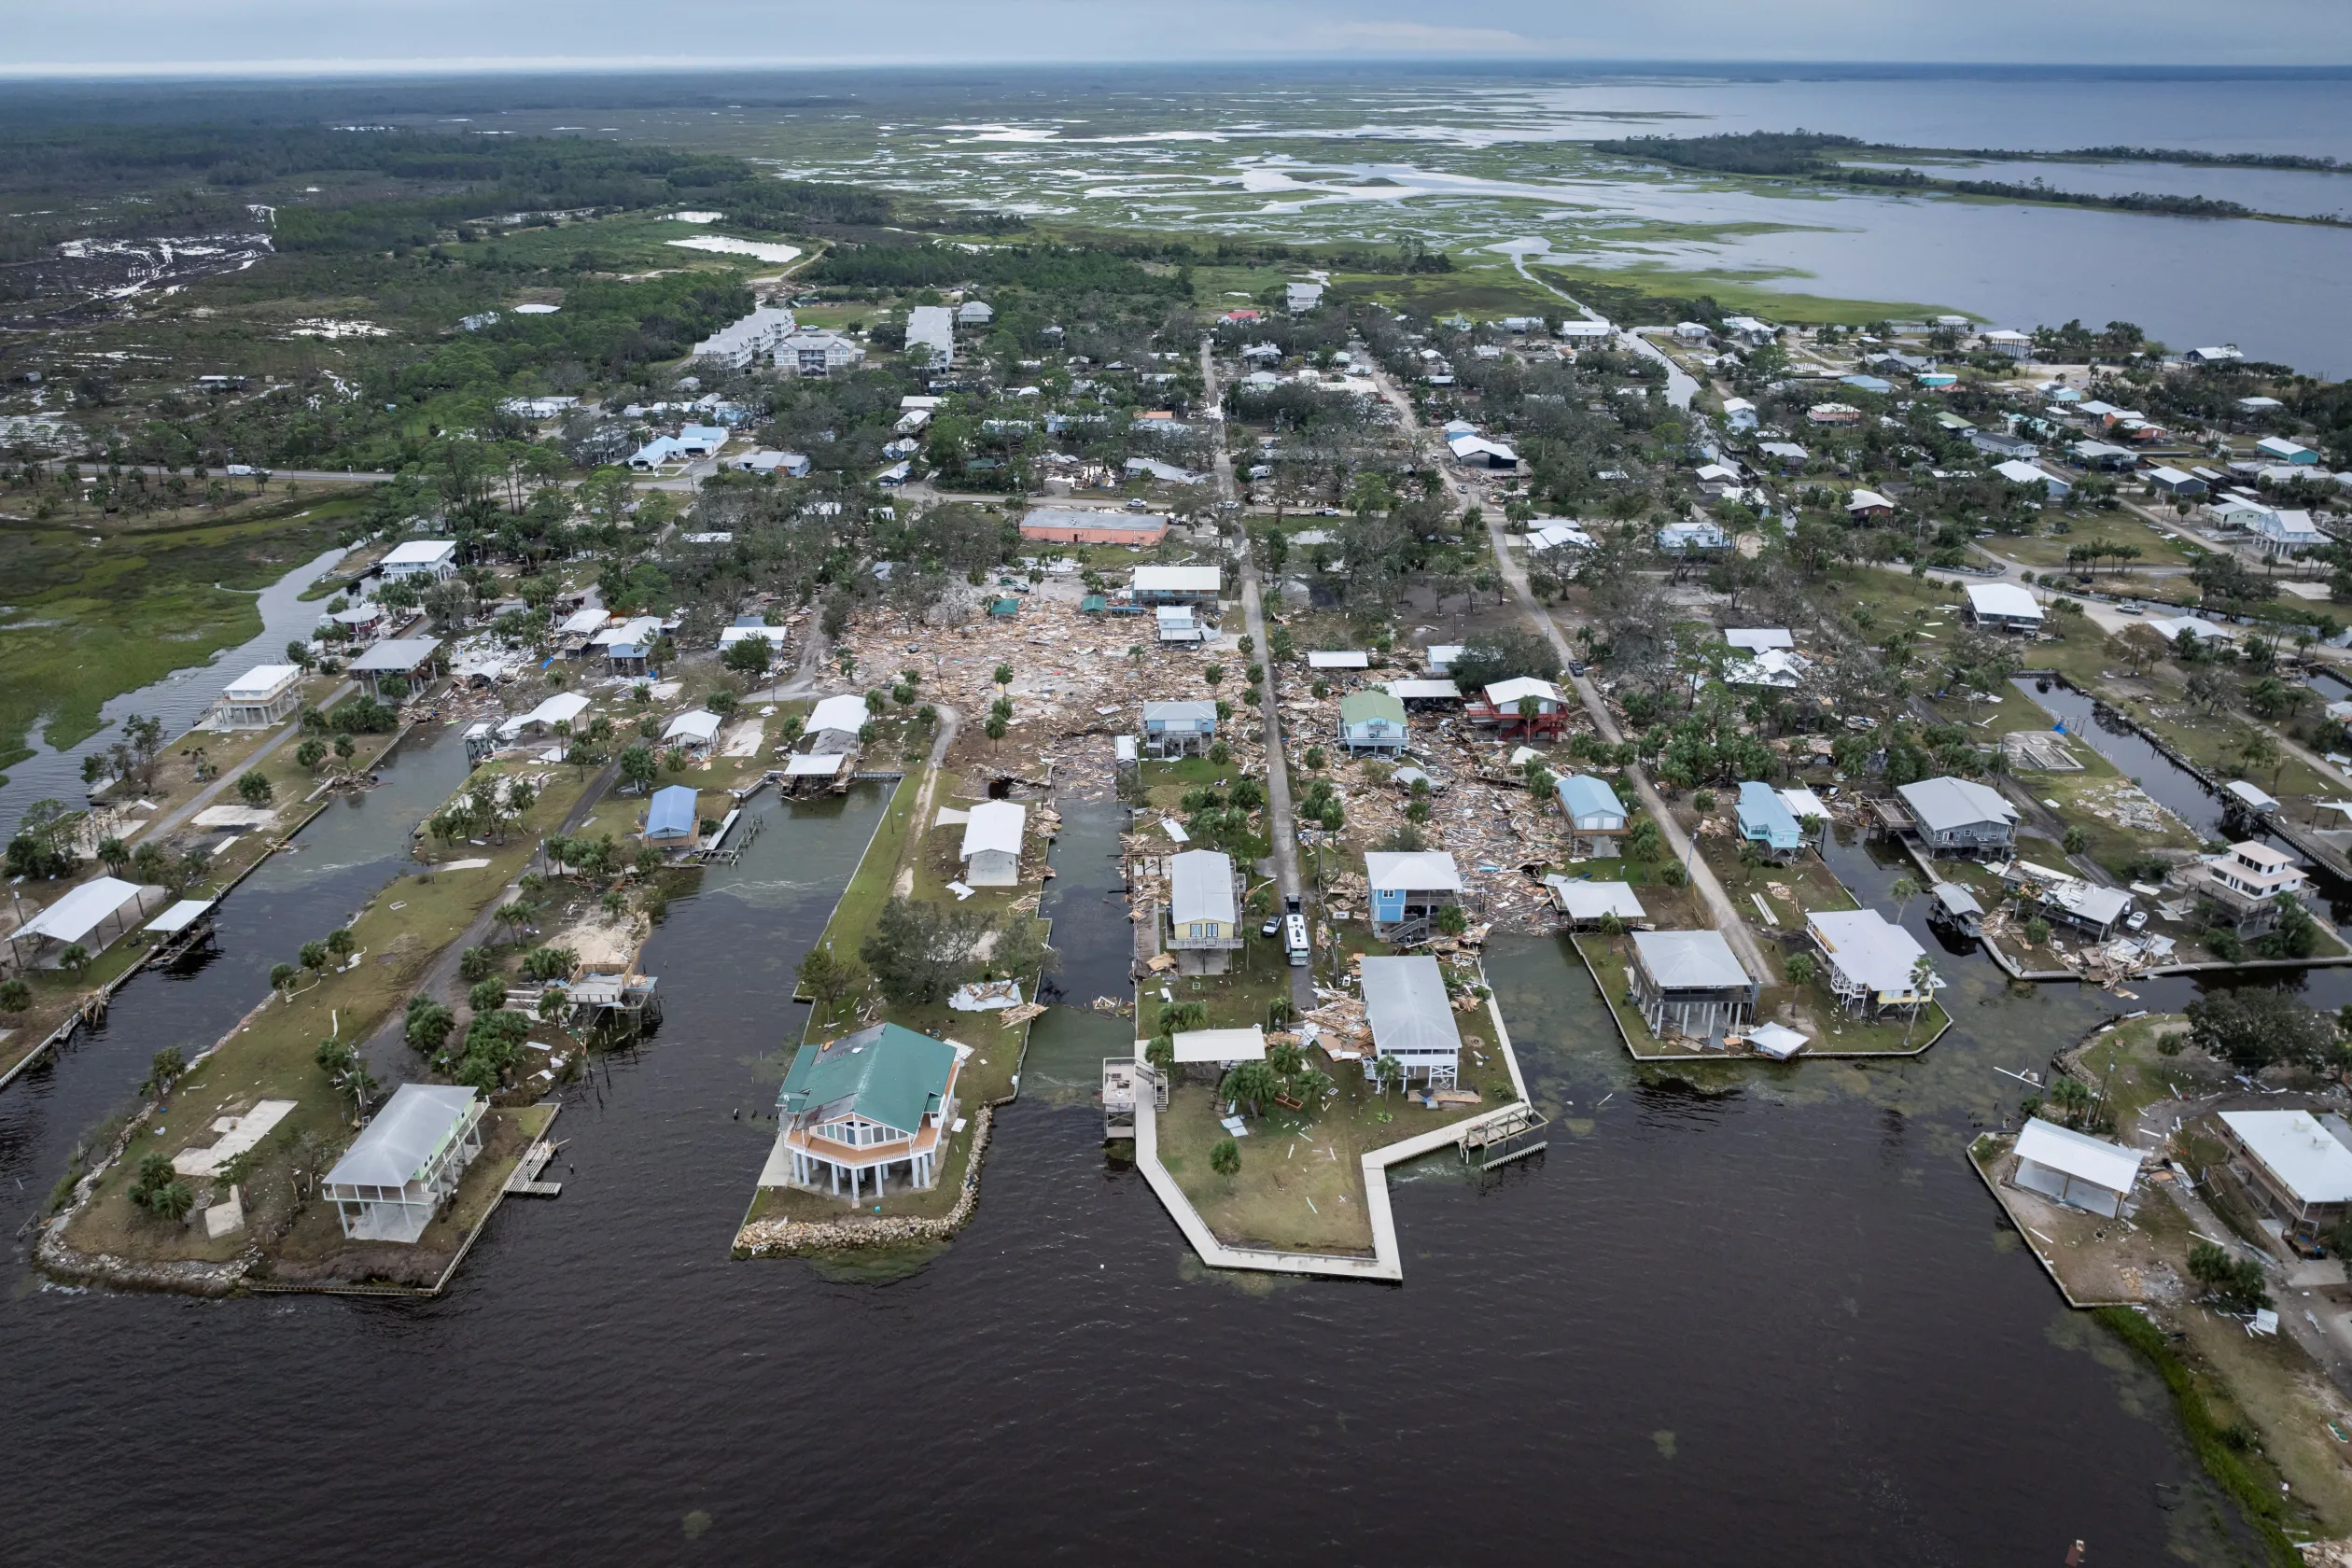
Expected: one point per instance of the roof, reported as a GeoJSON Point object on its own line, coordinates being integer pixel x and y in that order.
{"type": "Point", "coordinates": [81, 911]}
{"type": "Point", "coordinates": [397, 656]}
{"type": "Point", "coordinates": [1956, 899]}
{"type": "Point", "coordinates": [1177, 580]}
{"type": "Point", "coordinates": [1867, 949]}
{"type": "Point", "coordinates": [1200, 888]}
{"type": "Point", "coordinates": [178, 918]}
{"type": "Point", "coordinates": [1423, 691]}
{"type": "Point", "coordinates": [1422, 871]}
{"type": "Point", "coordinates": [887, 1074]}
{"type": "Point", "coordinates": [994, 827]}
{"type": "Point", "coordinates": [2003, 598]}
{"type": "Point", "coordinates": [421, 553]}
{"type": "Point", "coordinates": [586, 619]}
{"type": "Point", "coordinates": [415, 1124]}
{"type": "Point", "coordinates": [838, 713]}
{"type": "Point", "coordinates": [1758, 638]}
{"type": "Point", "coordinates": [561, 709]}
{"type": "Point", "coordinates": [1365, 708]}
{"type": "Point", "coordinates": [693, 724]}
{"type": "Point", "coordinates": [261, 680]}
{"type": "Point", "coordinates": [1220, 1044]}
{"type": "Point", "coordinates": [2017, 472]}
{"type": "Point", "coordinates": [2299, 1150]}
{"type": "Point", "coordinates": [1941, 805]}
{"type": "Point", "coordinates": [1689, 961]}
{"type": "Point", "coordinates": [1802, 804]}
{"type": "Point", "coordinates": [809, 764]}
{"type": "Point", "coordinates": [1404, 1001]}
{"type": "Point", "coordinates": [2079, 1155]}
{"type": "Point", "coordinates": [1346, 658]}
{"type": "Point", "coordinates": [672, 810]}
{"type": "Point", "coordinates": [1590, 901]}
{"type": "Point", "coordinates": [1109, 522]}
{"type": "Point", "coordinates": [1582, 795]}
{"type": "Point", "coordinates": [2253, 795]}
{"type": "Point", "coordinates": [2169, 627]}
{"type": "Point", "coordinates": [1761, 809]}
{"type": "Point", "coordinates": [1180, 712]}
{"type": "Point", "coordinates": [1506, 694]}
{"type": "Point", "coordinates": [2088, 900]}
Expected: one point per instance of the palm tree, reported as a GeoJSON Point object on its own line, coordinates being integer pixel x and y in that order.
{"type": "Point", "coordinates": [1251, 1082]}
{"type": "Point", "coordinates": [1225, 1157]}
{"type": "Point", "coordinates": [1390, 1073]}
{"type": "Point", "coordinates": [1902, 891]}
{"type": "Point", "coordinates": [1923, 983]}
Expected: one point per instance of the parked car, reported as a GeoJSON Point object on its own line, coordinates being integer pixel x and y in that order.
{"type": "Point", "coordinates": [1273, 926]}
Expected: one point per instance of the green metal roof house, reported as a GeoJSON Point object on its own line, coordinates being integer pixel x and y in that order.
{"type": "Point", "coordinates": [882, 1096]}
{"type": "Point", "coordinates": [1372, 723]}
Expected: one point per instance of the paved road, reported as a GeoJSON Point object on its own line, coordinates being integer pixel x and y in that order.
{"type": "Point", "coordinates": [1281, 826]}
{"type": "Point", "coordinates": [1728, 916]}
{"type": "Point", "coordinates": [211, 791]}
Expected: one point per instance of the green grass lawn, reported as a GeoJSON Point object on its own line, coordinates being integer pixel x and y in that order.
{"type": "Point", "coordinates": [271, 1057]}
{"type": "Point", "coordinates": [314, 1251]}
{"type": "Point", "coordinates": [2044, 550]}
{"type": "Point", "coordinates": [1300, 1187]}
{"type": "Point", "coordinates": [86, 624]}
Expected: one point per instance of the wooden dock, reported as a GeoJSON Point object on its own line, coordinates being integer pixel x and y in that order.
{"type": "Point", "coordinates": [523, 1180]}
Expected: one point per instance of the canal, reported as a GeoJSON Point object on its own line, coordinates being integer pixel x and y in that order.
{"type": "Point", "coordinates": [1758, 1314]}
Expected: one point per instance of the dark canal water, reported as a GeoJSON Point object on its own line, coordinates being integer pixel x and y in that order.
{"type": "Point", "coordinates": [1752, 1316]}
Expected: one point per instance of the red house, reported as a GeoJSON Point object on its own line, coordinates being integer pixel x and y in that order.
{"type": "Point", "coordinates": [1500, 705]}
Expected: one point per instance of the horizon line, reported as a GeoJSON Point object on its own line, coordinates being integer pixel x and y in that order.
{"type": "Point", "coordinates": [346, 68]}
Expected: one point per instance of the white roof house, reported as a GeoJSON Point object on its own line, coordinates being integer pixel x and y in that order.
{"type": "Point", "coordinates": [1419, 870]}
{"type": "Point", "coordinates": [2003, 604]}
{"type": "Point", "coordinates": [1405, 1002]}
{"type": "Point", "coordinates": [1870, 959]}
{"type": "Point", "coordinates": [561, 709]}
{"type": "Point", "coordinates": [1781, 667]}
{"type": "Point", "coordinates": [1339, 659]}
{"type": "Point", "coordinates": [1223, 1046]}
{"type": "Point", "coordinates": [2294, 1156]}
{"type": "Point", "coordinates": [1593, 901]}
{"type": "Point", "coordinates": [2075, 1167]}
{"type": "Point", "coordinates": [1181, 581]}
{"type": "Point", "coordinates": [1200, 888]}
{"type": "Point", "coordinates": [259, 698]}
{"type": "Point", "coordinates": [1689, 961]}
{"type": "Point", "coordinates": [1946, 806]}
{"type": "Point", "coordinates": [421, 558]}
{"type": "Point", "coordinates": [2017, 472]}
{"type": "Point", "coordinates": [696, 727]}
{"type": "Point", "coordinates": [933, 330]}
{"type": "Point", "coordinates": [991, 851]}
{"type": "Point", "coordinates": [1755, 639]}
{"type": "Point", "coordinates": [82, 912]}
{"type": "Point", "coordinates": [406, 1162]}
{"type": "Point", "coordinates": [1504, 695]}
{"type": "Point", "coordinates": [840, 714]}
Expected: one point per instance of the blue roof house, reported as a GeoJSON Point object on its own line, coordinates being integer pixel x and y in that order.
{"type": "Point", "coordinates": [1766, 821]}
{"type": "Point", "coordinates": [671, 816]}
{"type": "Point", "coordinates": [1595, 814]}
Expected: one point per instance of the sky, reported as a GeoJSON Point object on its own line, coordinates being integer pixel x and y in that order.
{"type": "Point", "coordinates": [216, 37]}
